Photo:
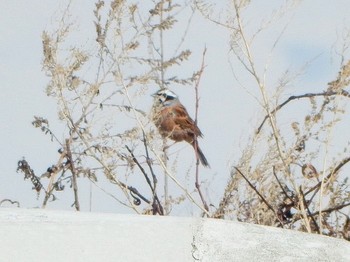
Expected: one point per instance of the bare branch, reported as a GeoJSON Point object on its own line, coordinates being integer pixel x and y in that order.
{"type": "Point", "coordinates": [335, 170]}
{"type": "Point", "coordinates": [199, 75]}
{"type": "Point", "coordinates": [307, 95]}
{"type": "Point", "coordinates": [74, 174]}
{"type": "Point", "coordinates": [260, 195]}
{"type": "Point", "coordinates": [156, 206]}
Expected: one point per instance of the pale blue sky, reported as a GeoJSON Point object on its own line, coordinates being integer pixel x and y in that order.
{"type": "Point", "coordinates": [228, 114]}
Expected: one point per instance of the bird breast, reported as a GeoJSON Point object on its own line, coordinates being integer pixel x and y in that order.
{"type": "Point", "coordinates": [176, 124]}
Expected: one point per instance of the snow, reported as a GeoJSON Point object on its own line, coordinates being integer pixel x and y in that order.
{"type": "Point", "coordinates": [41, 235]}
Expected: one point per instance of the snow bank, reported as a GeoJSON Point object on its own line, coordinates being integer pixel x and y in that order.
{"type": "Point", "coordinates": [41, 235]}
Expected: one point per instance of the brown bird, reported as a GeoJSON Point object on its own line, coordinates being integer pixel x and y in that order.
{"type": "Point", "coordinates": [173, 121]}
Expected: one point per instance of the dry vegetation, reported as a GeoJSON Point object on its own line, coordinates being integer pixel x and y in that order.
{"type": "Point", "coordinates": [273, 182]}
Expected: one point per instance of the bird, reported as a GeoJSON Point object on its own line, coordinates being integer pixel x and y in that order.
{"type": "Point", "coordinates": [173, 121]}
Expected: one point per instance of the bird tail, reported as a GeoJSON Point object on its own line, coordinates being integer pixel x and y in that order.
{"type": "Point", "coordinates": [201, 156]}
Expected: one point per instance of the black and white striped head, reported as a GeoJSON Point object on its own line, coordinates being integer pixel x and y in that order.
{"type": "Point", "coordinates": [165, 97]}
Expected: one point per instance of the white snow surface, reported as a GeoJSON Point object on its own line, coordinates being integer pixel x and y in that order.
{"type": "Point", "coordinates": [42, 235]}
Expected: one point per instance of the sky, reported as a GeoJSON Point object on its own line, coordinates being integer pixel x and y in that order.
{"type": "Point", "coordinates": [228, 113]}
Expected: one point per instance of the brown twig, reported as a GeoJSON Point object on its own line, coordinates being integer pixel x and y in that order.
{"type": "Point", "coordinates": [133, 192]}
{"type": "Point", "coordinates": [136, 195]}
{"type": "Point", "coordinates": [260, 195]}
{"type": "Point", "coordinates": [306, 205]}
{"type": "Point", "coordinates": [140, 167]}
{"type": "Point", "coordinates": [331, 209]}
{"type": "Point", "coordinates": [74, 174]}
{"type": "Point", "coordinates": [335, 170]}
{"type": "Point", "coordinates": [197, 184]}
{"type": "Point", "coordinates": [328, 210]}
{"type": "Point", "coordinates": [148, 161]}
{"type": "Point", "coordinates": [50, 187]}
{"type": "Point", "coordinates": [307, 95]}
{"type": "Point", "coordinates": [156, 206]}
{"type": "Point", "coordinates": [280, 184]}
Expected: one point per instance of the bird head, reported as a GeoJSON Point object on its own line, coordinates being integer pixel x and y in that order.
{"type": "Point", "coordinates": [165, 96]}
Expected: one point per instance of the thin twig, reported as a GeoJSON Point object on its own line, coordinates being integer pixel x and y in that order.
{"type": "Point", "coordinates": [260, 195]}
{"type": "Point", "coordinates": [50, 187]}
{"type": "Point", "coordinates": [162, 73]}
{"type": "Point", "coordinates": [331, 209]}
{"type": "Point", "coordinates": [335, 170]}
{"type": "Point", "coordinates": [140, 167]}
{"type": "Point", "coordinates": [280, 184]}
{"type": "Point", "coordinates": [74, 174]}
{"type": "Point", "coordinates": [197, 184]}
{"type": "Point", "coordinates": [307, 95]}
{"type": "Point", "coordinates": [157, 207]}
{"type": "Point", "coordinates": [328, 210]}
{"type": "Point", "coordinates": [148, 161]}
{"type": "Point", "coordinates": [133, 191]}
{"type": "Point", "coordinates": [306, 206]}
{"type": "Point", "coordinates": [111, 195]}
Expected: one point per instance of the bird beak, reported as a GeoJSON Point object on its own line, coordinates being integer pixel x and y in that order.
{"type": "Point", "coordinates": [154, 95]}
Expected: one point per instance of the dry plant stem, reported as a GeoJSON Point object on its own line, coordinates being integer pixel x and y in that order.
{"type": "Point", "coordinates": [133, 191]}
{"type": "Point", "coordinates": [50, 187]}
{"type": "Point", "coordinates": [248, 63]}
{"type": "Point", "coordinates": [156, 205]}
{"type": "Point", "coordinates": [260, 195]}
{"type": "Point", "coordinates": [74, 125]}
{"type": "Point", "coordinates": [179, 185]}
{"type": "Point", "coordinates": [335, 170]}
{"type": "Point", "coordinates": [159, 208]}
{"type": "Point", "coordinates": [280, 184]}
{"type": "Point", "coordinates": [123, 186]}
{"type": "Point", "coordinates": [141, 168]}
{"type": "Point", "coordinates": [250, 67]}
{"type": "Point", "coordinates": [90, 196]}
{"type": "Point", "coordinates": [112, 196]}
{"type": "Point", "coordinates": [109, 174]}
{"type": "Point", "coordinates": [74, 174]}
{"type": "Point", "coordinates": [66, 154]}
{"type": "Point", "coordinates": [148, 160]}
{"type": "Point", "coordinates": [307, 95]}
{"type": "Point", "coordinates": [326, 147]}
{"type": "Point", "coordinates": [197, 184]}
{"type": "Point", "coordinates": [303, 201]}
{"type": "Point", "coordinates": [161, 42]}
{"type": "Point", "coordinates": [302, 210]}
{"type": "Point", "coordinates": [308, 210]}
{"type": "Point", "coordinates": [166, 180]}
{"type": "Point", "coordinates": [328, 210]}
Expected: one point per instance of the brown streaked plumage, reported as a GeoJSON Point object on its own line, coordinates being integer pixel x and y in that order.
{"type": "Point", "coordinates": [174, 122]}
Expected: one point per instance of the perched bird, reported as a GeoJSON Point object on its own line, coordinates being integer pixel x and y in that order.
{"type": "Point", "coordinates": [173, 121]}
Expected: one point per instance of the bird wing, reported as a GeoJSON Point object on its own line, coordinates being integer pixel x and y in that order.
{"type": "Point", "coordinates": [184, 121]}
